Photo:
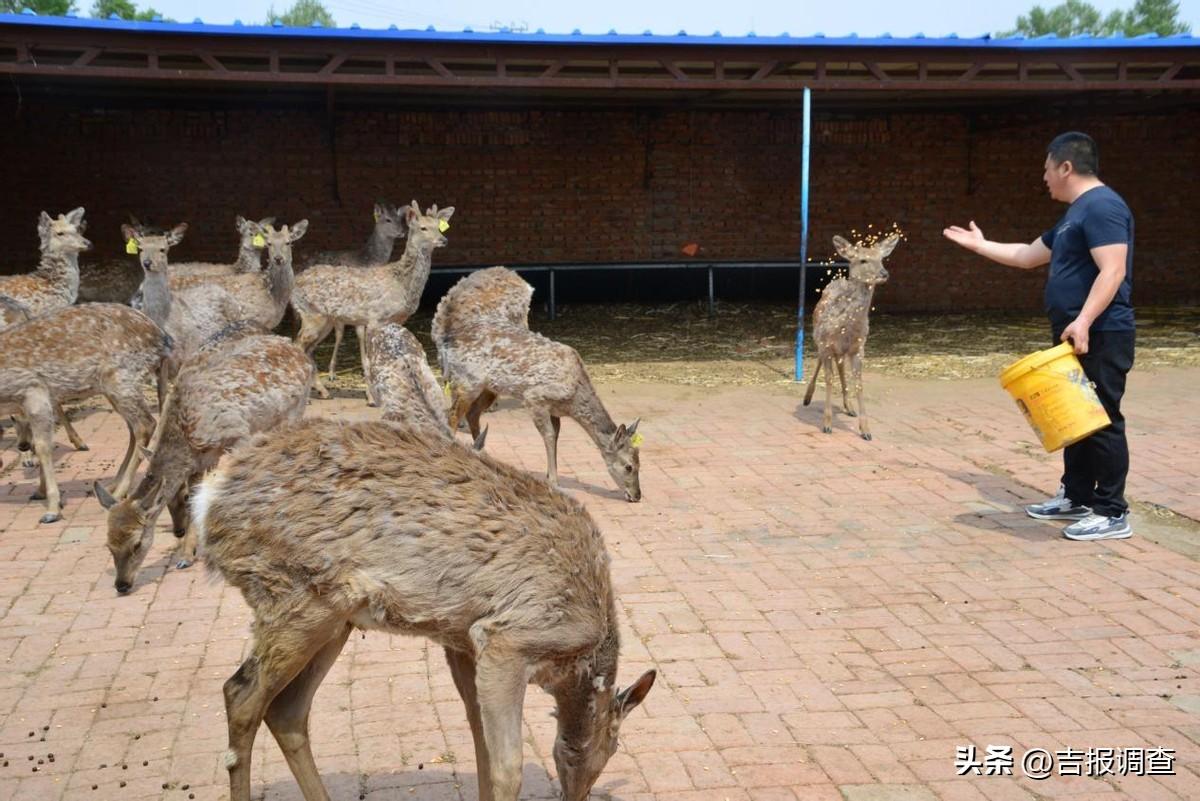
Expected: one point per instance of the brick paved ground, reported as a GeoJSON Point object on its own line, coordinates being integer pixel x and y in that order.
{"type": "Point", "coordinates": [831, 618]}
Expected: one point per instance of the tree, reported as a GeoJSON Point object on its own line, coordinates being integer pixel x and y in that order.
{"type": "Point", "coordinates": [303, 14]}
{"type": "Point", "coordinates": [45, 8]}
{"type": "Point", "coordinates": [1074, 17]}
{"type": "Point", "coordinates": [103, 9]}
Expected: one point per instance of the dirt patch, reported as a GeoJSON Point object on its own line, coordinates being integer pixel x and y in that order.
{"type": "Point", "coordinates": [754, 344]}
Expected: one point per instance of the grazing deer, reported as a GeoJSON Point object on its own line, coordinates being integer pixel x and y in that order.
{"type": "Point", "coordinates": [326, 527]}
{"type": "Point", "coordinates": [389, 226]}
{"type": "Point", "coordinates": [12, 313]}
{"type": "Point", "coordinates": [55, 283]}
{"type": "Point", "coordinates": [840, 325]}
{"type": "Point", "coordinates": [72, 354]}
{"type": "Point", "coordinates": [238, 385]}
{"type": "Point", "coordinates": [486, 350]}
{"type": "Point", "coordinates": [326, 294]}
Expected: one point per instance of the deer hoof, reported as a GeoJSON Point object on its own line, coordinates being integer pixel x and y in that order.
{"type": "Point", "coordinates": [183, 564]}
{"type": "Point", "coordinates": [28, 462]}
{"type": "Point", "coordinates": [867, 437]}
{"type": "Point", "coordinates": [827, 429]}
{"type": "Point", "coordinates": [50, 517]}
{"type": "Point", "coordinates": [38, 496]}
{"type": "Point", "coordinates": [850, 413]}
{"type": "Point", "coordinates": [83, 446]}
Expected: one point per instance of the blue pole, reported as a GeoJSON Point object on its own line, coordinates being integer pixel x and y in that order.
{"type": "Point", "coordinates": [807, 126]}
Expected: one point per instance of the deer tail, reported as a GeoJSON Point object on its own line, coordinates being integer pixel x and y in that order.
{"type": "Point", "coordinates": [812, 384]}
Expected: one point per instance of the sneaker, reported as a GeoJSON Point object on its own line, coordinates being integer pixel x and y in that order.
{"type": "Point", "coordinates": [1060, 507]}
{"type": "Point", "coordinates": [1099, 527]}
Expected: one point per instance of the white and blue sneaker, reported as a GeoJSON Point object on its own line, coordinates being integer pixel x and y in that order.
{"type": "Point", "coordinates": [1060, 507]}
{"type": "Point", "coordinates": [1099, 527]}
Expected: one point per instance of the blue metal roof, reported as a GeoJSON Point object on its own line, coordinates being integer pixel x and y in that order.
{"type": "Point", "coordinates": [356, 33]}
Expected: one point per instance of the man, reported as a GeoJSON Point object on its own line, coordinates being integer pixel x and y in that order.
{"type": "Point", "coordinates": [1090, 251]}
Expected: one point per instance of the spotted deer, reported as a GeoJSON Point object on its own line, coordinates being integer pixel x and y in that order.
{"type": "Point", "coordinates": [401, 380]}
{"type": "Point", "coordinates": [327, 294]}
{"type": "Point", "coordinates": [328, 527]}
{"type": "Point", "coordinates": [249, 259]}
{"type": "Point", "coordinates": [240, 385]}
{"type": "Point", "coordinates": [486, 350]}
{"type": "Point", "coordinates": [12, 313]}
{"type": "Point", "coordinates": [72, 354]}
{"type": "Point", "coordinates": [389, 226]}
{"type": "Point", "coordinates": [55, 282]}
{"type": "Point", "coordinates": [841, 324]}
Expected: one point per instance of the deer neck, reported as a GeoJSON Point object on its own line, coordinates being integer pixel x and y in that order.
{"type": "Point", "coordinates": [379, 247]}
{"type": "Point", "coordinates": [249, 259]}
{"type": "Point", "coordinates": [61, 268]}
{"type": "Point", "coordinates": [589, 681]}
{"type": "Point", "coordinates": [591, 415]}
{"type": "Point", "coordinates": [280, 280]}
{"type": "Point", "coordinates": [156, 297]}
{"type": "Point", "coordinates": [412, 272]}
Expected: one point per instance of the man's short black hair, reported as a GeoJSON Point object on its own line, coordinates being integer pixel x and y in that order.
{"type": "Point", "coordinates": [1077, 148]}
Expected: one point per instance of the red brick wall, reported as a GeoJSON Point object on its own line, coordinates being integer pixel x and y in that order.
{"type": "Point", "coordinates": [563, 186]}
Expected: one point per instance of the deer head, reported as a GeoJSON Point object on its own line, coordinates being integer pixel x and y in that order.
{"type": "Point", "coordinates": [589, 720]}
{"type": "Point", "coordinates": [866, 261]}
{"type": "Point", "coordinates": [152, 248]}
{"type": "Point", "coordinates": [250, 229]}
{"type": "Point", "coordinates": [621, 458]}
{"type": "Point", "coordinates": [63, 234]}
{"type": "Point", "coordinates": [390, 221]}
{"type": "Point", "coordinates": [279, 242]}
{"type": "Point", "coordinates": [425, 231]}
{"type": "Point", "coordinates": [131, 527]}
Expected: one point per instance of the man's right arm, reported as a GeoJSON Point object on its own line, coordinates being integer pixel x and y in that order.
{"type": "Point", "coordinates": [1013, 254]}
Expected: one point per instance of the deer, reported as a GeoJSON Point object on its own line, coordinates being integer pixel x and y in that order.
{"type": "Point", "coordinates": [55, 282]}
{"type": "Point", "coordinates": [240, 383]}
{"type": "Point", "coordinates": [401, 380]}
{"type": "Point", "coordinates": [12, 313]}
{"type": "Point", "coordinates": [72, 354]}
{"type": "Point", "coordinates": [189, 321]}
{"type": "Point", "coordinates": [389, 226]}
{"type": "Point", "coordinates": [327, 294]}
{"type": "Point", "coordinates": [840, 325]}
{"type": "Point", "coordinates": [327, 527]}
{"type": "Point", "coordinates": [486, 350]}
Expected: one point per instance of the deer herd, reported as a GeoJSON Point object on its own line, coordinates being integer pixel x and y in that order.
{"type": "Point", "coordinates": [327, 526]}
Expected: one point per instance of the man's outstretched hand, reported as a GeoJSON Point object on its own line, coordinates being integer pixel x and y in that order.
{"type": "Point", "coordinates": [969, 238]}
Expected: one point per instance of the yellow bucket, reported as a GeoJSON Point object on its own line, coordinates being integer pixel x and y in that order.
{"type": "Point", "coordinates": [1055, 396]}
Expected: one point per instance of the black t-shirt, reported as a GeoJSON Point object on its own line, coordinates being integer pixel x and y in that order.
{"type": "Point", "coordinates": [1097, 217]}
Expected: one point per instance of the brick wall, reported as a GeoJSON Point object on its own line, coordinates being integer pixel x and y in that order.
{"type": "Point", "coordinates": [606, 185]}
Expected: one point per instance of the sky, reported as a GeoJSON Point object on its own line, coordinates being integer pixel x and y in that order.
{"type": "Point", "coordinates": [764, 17]}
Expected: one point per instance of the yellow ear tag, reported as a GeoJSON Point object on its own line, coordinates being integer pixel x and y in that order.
{"type": "Point", "coordinates": [131, 247]}
{"type": "Point", "coordinates": [259, 241]}
{"type": "Point", "coordinates": [377, 215]}
{"type": "Point", "coordinates": [636, 440]}
{"type": "Point", "coordinates": [446, 389]}
{"type": "Point", "coordinates": [443, 226]}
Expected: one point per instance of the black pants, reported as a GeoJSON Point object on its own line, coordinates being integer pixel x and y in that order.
{"type": "Point", "coordinates": [1094, 469]}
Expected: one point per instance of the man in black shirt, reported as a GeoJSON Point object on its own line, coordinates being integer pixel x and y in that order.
{"type": "Point", "coordinates": [1090, 252]}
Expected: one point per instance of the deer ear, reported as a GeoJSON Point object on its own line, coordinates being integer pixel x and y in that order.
{"type": "Point", "coordinates": [411, 214]}
{"type": "Point", "coordinates": [241, 222]}
{"type": "Point", "coordinates": [628, 699]}
{"type": "Point", "coordinates": [75, 215]}
{"type": "Point", "coordinates": [620, 434]}
{"type": "Point", "coordinates": [176, 235]}
{"type": "Point", "coordinates": [888, 245]}
{"type": "Point", "coordinates": [415, 206]}
{"type": "Point", "coordinates": [44, 221]}
{"type": "Point", "coordinates": [446, 213]}
{"type": "Point", "coordinates": [103, 496]}
{"type": "Point", "coordinates": [843, 248]}
{"type": "Point", "coordinates": [633, 427]}
{"type": "Point", "coordinates": [298, 230]}
{"type": "Point", "coordinates": [128, 232]}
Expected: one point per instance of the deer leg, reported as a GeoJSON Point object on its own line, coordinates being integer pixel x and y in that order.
{"type": "Point", "coordinates": [314, 328]}
{"type": "Point", "coordinates": [178, 510]}
{"type": "Point", "coordinates": [279, 655]}
{"type": "Point", "coordinates": [24, 442]}
{"type": "Point", "coordinates": [338, 331]}
{"type": "Point", "coordinates": [843, 364]}
{"type": "Point", "coordinates": [287, 718]}
{"type": "Point", "coordinates": [361, 332]}
{"type": "Point", "coordinates": [480, 405]}
{"type": "Point", "coordinates": [76, 441]}
{"type": "Point", "coordinates": [500, 684]}
{"type": "Point", "coordinates": [827, 414]}
{"type": "Point", "coordinates": [864, 430]}
{"type": "Point", "coordinates": [812, 383]}
{"type": "Point", "coordinates": [141, 426]}
{"type": "Point", "coordinates": [462, 668]}
{"type": "Point", "coordinates": [38, 411]}
{"type": "Point", "coordinates": [549, 432]}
